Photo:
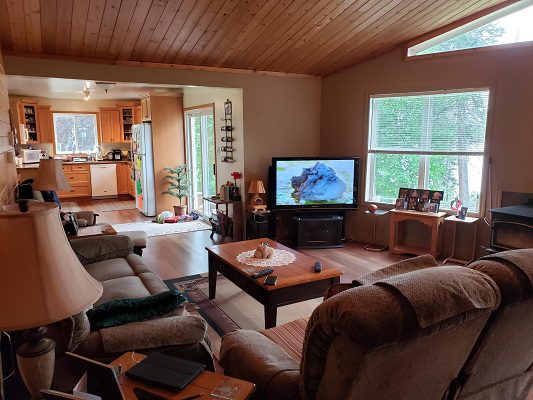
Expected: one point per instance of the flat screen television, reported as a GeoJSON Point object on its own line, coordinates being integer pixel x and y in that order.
{"type": "Point", "coordinates": [313, 183]}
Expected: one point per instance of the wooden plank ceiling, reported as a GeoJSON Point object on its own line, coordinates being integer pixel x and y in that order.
{"type": "Point", "coordinates": [316, 37]}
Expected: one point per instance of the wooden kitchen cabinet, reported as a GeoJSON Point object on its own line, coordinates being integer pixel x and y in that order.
{"type": "Point", "coordinates": [126, 122]}
{"type": "Point", "coordinates": [110, 125]}
{"type": "Point", "coordinates": [28, 117]}
{"type": "Point", "coordinates": [146, 109]}
{"type": "Point", "coordinates": [123, 178]}
{"type": "Point", "coordinates": [137, 115]}
{"type": "Point", "coordinates": [79, 178]}
{"type": "Point", "coordinates": [45, 124]}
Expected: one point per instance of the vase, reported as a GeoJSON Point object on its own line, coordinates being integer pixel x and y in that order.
{"type": "Point", "coordinates": [234, 194]}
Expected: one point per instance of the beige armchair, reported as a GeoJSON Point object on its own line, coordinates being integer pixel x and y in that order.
{"type": "Point", "coordinates": [405, 336]}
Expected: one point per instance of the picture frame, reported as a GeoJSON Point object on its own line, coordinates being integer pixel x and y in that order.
{"type": "Point", "coordinates": [411, 203]}
{"type": "Point", "coordinates": [462, 213]}
{"type": "Point", "coordinates": [420, 206]}
{"type": "Point", "coordinates": [399, 203]}
{"type": "Point", "coordinates": [436, 195]}
{"type": "Point", "coordinates": [414, 193]}
{"type": "Point", "coordinates": [433, 207]}
{"type": "Point", "coordinates": [424, 195]}
{"type": "Point", "coordinates": [403, 192]}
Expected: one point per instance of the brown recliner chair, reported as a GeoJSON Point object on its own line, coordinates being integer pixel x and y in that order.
{"type": "Point", "coordinates": [500, 366]}
{"type": "Point", "coordinates": [403, 337]}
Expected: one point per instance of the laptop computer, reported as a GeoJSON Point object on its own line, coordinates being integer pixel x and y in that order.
{"type": "Point", "coordinates": [166, 371]}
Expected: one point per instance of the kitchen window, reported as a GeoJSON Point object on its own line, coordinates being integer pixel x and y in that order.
{"type": "Point", "coordinates": [430, 141]}
{"type": "Point", "coordinates": [75, 133]}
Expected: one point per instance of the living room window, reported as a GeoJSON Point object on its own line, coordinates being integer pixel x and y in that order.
{"type": "Point", "coordinates": [509, 25]}
{"type": "Point", "coordinates": [75, 133]}
{"type": "Point", "coordinates": [432, 141]}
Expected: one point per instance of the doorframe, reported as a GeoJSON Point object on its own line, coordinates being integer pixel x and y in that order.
{"type": "Point", "coordinates": [192, 108]}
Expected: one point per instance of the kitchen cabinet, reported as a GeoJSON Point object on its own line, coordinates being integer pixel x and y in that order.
{"type": "Point", "coordinates": [123, 178]}
{"type": "Point", "coordinates": [137, 115]}
{"type": "Point", "coordinates": [146, 110]}
{"type": "Point", "coordinates": [45, 124]}
{"type": "Point", "coordinates": [28, 117]}
{"type": "Point", "coordinates": [79, 178]}
{"type": "Point", "coordinates": [110, 125]}
{"type": "Point", "coordinates": [126, 122]}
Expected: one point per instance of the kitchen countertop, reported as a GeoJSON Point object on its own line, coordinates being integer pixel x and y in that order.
{"type": "Point", "coordinates": [36, 165]}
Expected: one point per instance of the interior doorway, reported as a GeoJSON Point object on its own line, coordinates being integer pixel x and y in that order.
{"type": "Point", "coordinates": [200, 139]}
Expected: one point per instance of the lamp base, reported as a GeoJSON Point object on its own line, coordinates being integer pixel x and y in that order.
{"type": "Point", "coordinates": [36, 360]}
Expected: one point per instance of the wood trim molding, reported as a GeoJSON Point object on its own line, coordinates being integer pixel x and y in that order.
{"type": "Point", "coordinates": [208, 105]}
{"type": "Point", "coordinates": [144, 64]}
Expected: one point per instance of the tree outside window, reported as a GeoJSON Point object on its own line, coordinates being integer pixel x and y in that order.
{"type": "Point", "coordinates": [432, 141]}
{"type": "Point", "coordinates": [75, 133]}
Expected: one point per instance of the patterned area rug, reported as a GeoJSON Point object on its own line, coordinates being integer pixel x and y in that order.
{"type": "Point", "coordinates": [232, 308]}
{"type": "Point", "coordinates": [153, 229]}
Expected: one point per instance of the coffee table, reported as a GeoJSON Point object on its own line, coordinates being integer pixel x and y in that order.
{"type": "Point", "coordinates": [296, 281]}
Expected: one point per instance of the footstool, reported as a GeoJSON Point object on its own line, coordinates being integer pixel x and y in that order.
{"type": "Point", "coordinates": [138, 238]}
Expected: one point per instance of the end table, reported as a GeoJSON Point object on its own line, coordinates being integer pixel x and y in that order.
{"type": "Point", "coordinates": [372, 246]}
{"type": "Point", "coordinates": [467, 221]}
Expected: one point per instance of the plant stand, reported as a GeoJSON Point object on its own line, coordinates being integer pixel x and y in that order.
{"type": "Point", "coordinates": [372, 246]}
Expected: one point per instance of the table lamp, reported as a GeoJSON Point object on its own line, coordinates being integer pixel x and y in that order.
{"type": "Point", "coordinates": [41, 282]}
{"type": "Point", "coordinates": [255, 188]}
{"type": "Point", "coordinates": [50, 176]}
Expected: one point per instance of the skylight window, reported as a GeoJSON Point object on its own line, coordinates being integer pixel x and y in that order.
{"type": "Point", "coordinates": [506, 26]}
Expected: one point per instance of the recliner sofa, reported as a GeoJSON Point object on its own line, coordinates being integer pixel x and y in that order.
{"type": "Point", "coordinates": [413, 330]}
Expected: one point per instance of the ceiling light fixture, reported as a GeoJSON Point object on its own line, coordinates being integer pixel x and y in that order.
{"type": "Point", "coordinates": [105, 85]}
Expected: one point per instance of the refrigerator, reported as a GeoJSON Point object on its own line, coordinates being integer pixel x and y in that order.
{"type": "Point", "coordinates": [143, 168]}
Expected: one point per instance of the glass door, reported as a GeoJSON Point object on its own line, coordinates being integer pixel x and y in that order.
{"type": "Point", "coordinates": [200, 136]}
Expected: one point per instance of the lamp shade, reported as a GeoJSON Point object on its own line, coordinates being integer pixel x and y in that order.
{"type": "Point", "coordinates": [50, 176]}
{"type": "Point", "coordinates": [41, 279]}
{"type": "Point", "coordinates": [256, 187]}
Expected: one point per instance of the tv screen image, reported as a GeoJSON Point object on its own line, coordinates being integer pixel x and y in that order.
{"type": "Point", "coordinates": [314, 183]}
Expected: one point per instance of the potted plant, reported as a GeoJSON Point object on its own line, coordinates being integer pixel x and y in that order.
{"type": "Point", "coordinates": [178, 186]}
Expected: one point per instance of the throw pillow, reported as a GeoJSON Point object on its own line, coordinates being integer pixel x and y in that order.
{"type": "Point", "coordinates": [118, 312]}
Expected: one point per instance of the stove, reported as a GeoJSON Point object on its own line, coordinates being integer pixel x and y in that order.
{"type": "Point", "coordinates": [512, 228]}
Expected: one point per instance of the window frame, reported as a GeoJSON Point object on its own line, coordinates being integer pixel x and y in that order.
{"type": "Point", "coordinates": [464, 25]}
{"type": "Point", "coordinates": [97, 126]}
{"type": "Point", "coordinates": [485, 195]}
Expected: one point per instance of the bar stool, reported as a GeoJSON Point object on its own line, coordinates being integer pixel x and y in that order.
{"type": "Point", "coordinates": [373, 246]}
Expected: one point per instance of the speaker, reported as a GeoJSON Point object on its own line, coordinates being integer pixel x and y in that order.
{"type": "Point", "coordinates": [318, 232]}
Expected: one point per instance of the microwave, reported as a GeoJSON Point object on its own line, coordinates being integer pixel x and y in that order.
{"type": "Point", "coordinates": [30, 156]}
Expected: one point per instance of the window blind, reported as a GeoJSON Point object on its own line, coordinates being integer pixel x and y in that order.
{"type": "Point", "coordinates": [436, 123]}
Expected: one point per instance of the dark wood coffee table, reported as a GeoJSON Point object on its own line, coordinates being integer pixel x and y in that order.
{"type": "Point", "coordinates": [296, 282]}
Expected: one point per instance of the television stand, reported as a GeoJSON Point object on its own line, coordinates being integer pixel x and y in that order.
{"type": "Point", "coordinates": [319, 229]}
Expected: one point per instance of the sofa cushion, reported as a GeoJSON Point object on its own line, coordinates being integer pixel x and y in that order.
{"type": "Point", "coordinates": [98, 248]}
{"type": "Point", "coordinates": [289, 336]}
{"type": "Point", "coordinates": [110, 269]}
{"type": "Point", "coordinates": [121, 311]}
{"type": "Point", "coordinates": [122, 288]}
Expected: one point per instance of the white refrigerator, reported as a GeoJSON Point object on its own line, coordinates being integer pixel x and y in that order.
{"type": "Point", "coordinates": [143, 168]}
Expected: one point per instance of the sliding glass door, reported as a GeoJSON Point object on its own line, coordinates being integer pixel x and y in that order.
{"type": "Point", "coordinates": [200, 137]}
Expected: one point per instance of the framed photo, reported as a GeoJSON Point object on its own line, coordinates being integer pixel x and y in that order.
{"type": "Point", "coordinates": [227, 107]}
{"type": "Point", "coordinates": [436, 195]}
{"type": "Point", "coordinates": [462, 213]}
{"type": "Point", "coordinates": [420, 206]}
{"type": "Point", "coordinates": [433, 207]}
{"type": "Point", "coordinates": [400, 203]}
{"type": "Point", "coordinates": [414, 193]}
{"type": "Point", "coordinates": [411, 203]}
{"type": "Point", "coordinates": [403, 192]}
{"type": "Point", "coordinates": [424, 195]}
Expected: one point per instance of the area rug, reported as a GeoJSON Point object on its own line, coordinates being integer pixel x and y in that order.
{"type": "Point", "coordinates": [70, 206]}
{"type": "Point", "coordinates": [153, 229]}
{"type": "Point", "coordinates": [232, 308]}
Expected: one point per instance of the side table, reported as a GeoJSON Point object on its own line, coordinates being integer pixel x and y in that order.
{"type": "Point", "coordinates": [205, 383]}
{"type": "Point", "coordinates": [372, 245]}
{"type": "Point", "coordinates": [432, 220]}
{"type": "Point", "coordinates": [468, 221]}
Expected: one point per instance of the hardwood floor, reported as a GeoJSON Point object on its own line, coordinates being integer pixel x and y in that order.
{"type": "Point", "coordinates": [183, 254]}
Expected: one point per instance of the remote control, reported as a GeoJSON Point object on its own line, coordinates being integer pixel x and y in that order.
{"type": "Point", "coordinates": [318, 266]}
{"type": "Point", "coordinates": [266, 271]}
